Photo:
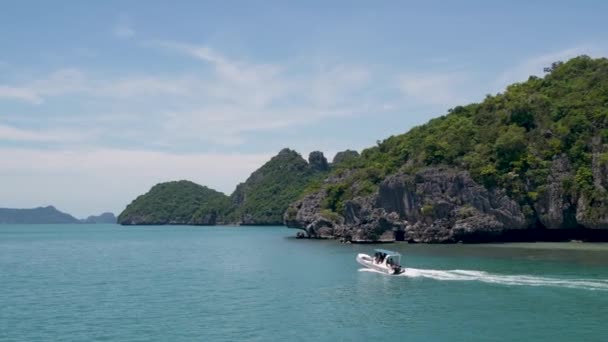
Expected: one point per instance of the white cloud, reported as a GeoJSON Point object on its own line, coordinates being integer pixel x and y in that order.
{"type": "Point", "coordinates": [60, 82]}
{"type": "Point", "coordinates": [110, 178]}
{"type": "Point", "coordinates": [255, 83]}
{"type": "Point", "coordinates": [220, 103]}
{"type": "Point", "coordinates": [242, 96]}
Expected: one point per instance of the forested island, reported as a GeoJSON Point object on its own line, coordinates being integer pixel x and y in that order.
{"type": "Point", "coordinates": [261, 200]}
{"type": "Point", "coordinates": [527, 164]}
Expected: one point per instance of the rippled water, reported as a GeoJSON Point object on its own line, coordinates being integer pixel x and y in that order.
{"type": "Point", "coordinates": [112, 283]}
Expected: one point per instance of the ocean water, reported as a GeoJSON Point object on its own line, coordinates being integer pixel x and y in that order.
{"type": "Point", "coordinates": [113, 283]}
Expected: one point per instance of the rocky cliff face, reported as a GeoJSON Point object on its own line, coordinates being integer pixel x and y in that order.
{"type": "Point", "coordinates": [559, 208]}
{"type": "Point", "coordinates": [317, 161]}
{"type": "Point", "coordinates": [446, 205]}
{"type": "Point", "coordinates": [592, 206]}
{"type": "Point", "coordinates": [439, 205]}
{"type": "Point", "coordinates": [554, 207]}
{"type": "Point", "coordinates": [530, 163]}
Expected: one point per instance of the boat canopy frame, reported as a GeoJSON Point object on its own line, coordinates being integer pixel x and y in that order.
{"type": "Point", "coordinates": [387, 252]}
{"type": "Point", "coordinates": [390, 254]}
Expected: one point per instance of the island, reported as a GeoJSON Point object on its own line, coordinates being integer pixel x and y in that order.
{"type": "Point", "coordinates": [48, 215]}
{"type": "Point", "coordinates": [524, 165]}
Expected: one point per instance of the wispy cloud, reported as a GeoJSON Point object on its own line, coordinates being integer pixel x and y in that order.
{"type": "Point", "coordinates": [220, 104]}
{"type": "Point", "coordinates": [228, 99]}
{"type": "Point", "coordinates": [60, 82]}
{"type": "Point", "coordinates": [244, 96]}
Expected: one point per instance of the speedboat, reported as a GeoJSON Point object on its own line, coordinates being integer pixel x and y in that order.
{"type": "Point", "coordinates": [385, 261]}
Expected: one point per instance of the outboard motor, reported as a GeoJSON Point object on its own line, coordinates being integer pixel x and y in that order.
{"type": "Point", "coordinates": [397, 270]}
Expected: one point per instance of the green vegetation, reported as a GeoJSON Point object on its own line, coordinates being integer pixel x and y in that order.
{"type": "Point", "coordinates": [262, 199]}
{"type": "Point", "coordinates": [178, 202]}
{"type": "Point", "coordinates": [267, 193]}
{"type": "Point", "coordinates": [508, 140]}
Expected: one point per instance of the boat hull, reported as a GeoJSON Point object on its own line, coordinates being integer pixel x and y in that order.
{"type": "Point", "coordinates": [368, 261]}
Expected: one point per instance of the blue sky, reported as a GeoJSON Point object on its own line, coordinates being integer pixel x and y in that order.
{"type": "Point", "coordinates": [101, 100]}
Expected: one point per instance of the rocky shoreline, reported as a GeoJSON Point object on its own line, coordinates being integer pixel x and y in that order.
{"type": "Point", "coordinates": [444, 205]}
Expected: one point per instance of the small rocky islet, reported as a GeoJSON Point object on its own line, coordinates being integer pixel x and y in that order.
{"type": "Point", "coordinates": [524, 165]}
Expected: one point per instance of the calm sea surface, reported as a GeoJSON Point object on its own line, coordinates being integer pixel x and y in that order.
{"type": "Point", "coordinates": [113, 283]}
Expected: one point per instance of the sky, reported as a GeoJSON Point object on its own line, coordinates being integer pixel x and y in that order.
{"type": "Point", "coordinates": [100, 100]}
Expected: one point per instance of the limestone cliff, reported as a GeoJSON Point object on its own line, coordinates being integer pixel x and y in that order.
{"type": "Point", "coordinates": [527, 164]}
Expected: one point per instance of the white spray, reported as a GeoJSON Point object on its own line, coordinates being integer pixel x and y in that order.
{"type": "Point", "coordinates": [521, 280]}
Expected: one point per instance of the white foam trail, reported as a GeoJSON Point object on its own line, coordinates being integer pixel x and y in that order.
{"type": "Point", "coordinates": [519, 280]}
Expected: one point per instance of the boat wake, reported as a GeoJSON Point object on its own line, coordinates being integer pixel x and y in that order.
{"type": "Point", "coordinates": [492, 278]}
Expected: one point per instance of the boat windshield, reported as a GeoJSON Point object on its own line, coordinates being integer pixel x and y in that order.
{"type": "Point", "coordinates": [394, 257]}
{"type": "Point", "coordinates": [387, 252]}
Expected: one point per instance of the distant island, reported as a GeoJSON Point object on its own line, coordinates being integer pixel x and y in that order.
{"type": "Point", "coordinates": [524, 165]}
{"type": "Point", "coordinates": [48, 215]}
{"type": "Point", "coordinates": [102, 218]}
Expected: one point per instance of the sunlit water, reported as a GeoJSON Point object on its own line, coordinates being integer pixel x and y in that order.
{"type": "Point", "coordinates": [112, 283]}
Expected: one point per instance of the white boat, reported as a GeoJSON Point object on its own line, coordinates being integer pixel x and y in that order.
{"type": "Point", "coordinates": [385, 261]}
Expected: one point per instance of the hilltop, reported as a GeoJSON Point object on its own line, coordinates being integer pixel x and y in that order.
{"type": "Point", "coordinates": [529, 163]}
{"type": "Point", "coordinates": [260, 200]}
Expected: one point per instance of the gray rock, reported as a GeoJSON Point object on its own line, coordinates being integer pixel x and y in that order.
{"type": "Point", "coordinates": [433, 205]}
{"type": "Point", "coordinates": [308, 209]}
{"type": "Point", "coordinates": [317, 161]}
{"type": "Point", "coordinates": [446, 205]}
{"type": "Point", "coordinates": [553, 207]}
{"type": "Point", "coordinates": [592, 208]}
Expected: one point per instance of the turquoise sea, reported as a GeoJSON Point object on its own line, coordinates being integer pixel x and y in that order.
{"type": "Point", "coordinates": [178, 283]}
